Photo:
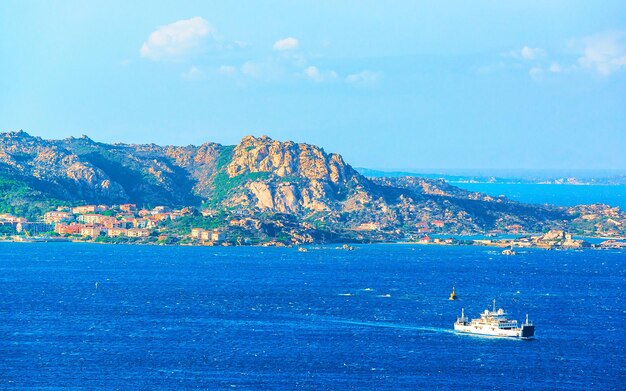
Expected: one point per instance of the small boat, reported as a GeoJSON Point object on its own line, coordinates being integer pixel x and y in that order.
{"type": "Point", "coordinates": [509, 251]}
{"type": "Point", "coordinates": [452, 295]}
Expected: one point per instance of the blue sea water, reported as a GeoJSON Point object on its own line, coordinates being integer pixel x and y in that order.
{"type": "Point", "coordinates": [264, 318]}
{"type": "Point", "coordinates": [563, 195]}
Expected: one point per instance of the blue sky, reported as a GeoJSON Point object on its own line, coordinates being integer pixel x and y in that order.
{"type": "Point", "coordinates": [401, 84]}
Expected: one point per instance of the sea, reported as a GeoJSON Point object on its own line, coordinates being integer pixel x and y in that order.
{"type": "Point", "coordinates": [89, 316]}
{"type": "Point", "coordinates": [563, 195]}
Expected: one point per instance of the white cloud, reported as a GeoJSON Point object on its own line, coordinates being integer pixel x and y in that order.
{"type": "Point", "coordinates": [227, 70]}
{"type": "Point", "coordinates": [313, 73]}
{"type": "Point", "coordinates": [605, 52]}
{"type": "Point", "coordinates": [175, 41]}
{"type": "Point", "coordinates": [193, 74]}
{"type": "Point", "coordinates": [364, 78]}
{"type": "Point", "coordinates": [527, 53]}
{"type": "Point", "coordinates": [531, 53]}
{"type": "Point", "coordinates": [554, 68]}
{"type": "Point", "coordinates": [289, 43]}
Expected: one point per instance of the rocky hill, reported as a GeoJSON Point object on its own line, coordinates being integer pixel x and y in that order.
{"type": "Point", "coordinates": [257, 176]}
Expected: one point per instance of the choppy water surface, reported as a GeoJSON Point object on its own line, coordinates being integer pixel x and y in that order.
{"type": "Point", "coordinates": [258, 318]}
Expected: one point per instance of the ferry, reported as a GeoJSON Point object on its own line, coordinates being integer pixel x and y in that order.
{"type": "Point", "coordinates": [494, 323]}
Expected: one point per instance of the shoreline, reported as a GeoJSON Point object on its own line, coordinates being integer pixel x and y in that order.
{"type": "Point", "coordinates": [469, 241]}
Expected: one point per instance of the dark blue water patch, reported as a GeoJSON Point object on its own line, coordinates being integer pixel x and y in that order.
{"type": "Point", "coordinates": [262, 318]}
{"type": "Point", "coordinates": [563, 195]}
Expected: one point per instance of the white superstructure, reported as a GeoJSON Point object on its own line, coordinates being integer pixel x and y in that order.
{"type": "Point", "coordinates": [494, 323]}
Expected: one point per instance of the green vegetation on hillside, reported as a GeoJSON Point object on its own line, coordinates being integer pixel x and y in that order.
{"type": "Point", "coordinates": [19, 198]}
{"type": "Point", "coordinates": [223, 184]}
{"type": "Point", "coordinates": [226, 154]}
{"type": "Point", "coordinates": [183, 225]}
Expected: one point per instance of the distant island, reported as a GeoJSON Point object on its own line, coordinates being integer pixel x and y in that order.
{"type": "Point", "coordinates": [260, 191]}
{"type": "Point", "coordinates": [579, 177]}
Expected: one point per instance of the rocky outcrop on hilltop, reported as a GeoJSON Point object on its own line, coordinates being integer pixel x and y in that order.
{"type": "Point", "coordinates": [290, 178]}
{"type": "Point", "coordinates": [288, 159]}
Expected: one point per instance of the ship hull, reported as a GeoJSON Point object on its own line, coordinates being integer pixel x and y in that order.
{"type": "Point", "coordinates": [528, 331]}
{"type": "Point", "coordinates": [525, 332]}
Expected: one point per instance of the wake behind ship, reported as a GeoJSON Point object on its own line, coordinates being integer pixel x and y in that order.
{"type": "Point", "coordinates": [494, 323]}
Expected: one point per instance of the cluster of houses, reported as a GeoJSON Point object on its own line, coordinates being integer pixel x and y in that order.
{"type": "Point", "coordinates": [21, 224]}
{"type": "Point", "coordinates": [427, 226]}
{"type": "Point", "coordinates": [207, 235]}
{"type": "Point", "coordinates": [92, 221]}
{"type": "Point", "coordinates": [96, 220]}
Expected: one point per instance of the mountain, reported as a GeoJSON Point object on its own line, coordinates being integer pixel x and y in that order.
{"type": "Point", "coordinates": [258, 176]}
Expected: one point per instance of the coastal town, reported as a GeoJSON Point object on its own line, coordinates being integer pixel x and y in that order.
{"type": "Point", "coordinates": [96, 223]}
{"type": "Point", "coordinates": [128, 223]}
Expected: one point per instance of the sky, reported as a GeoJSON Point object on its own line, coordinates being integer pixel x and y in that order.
{"type": "Point", "coordinates": [389, 85]}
